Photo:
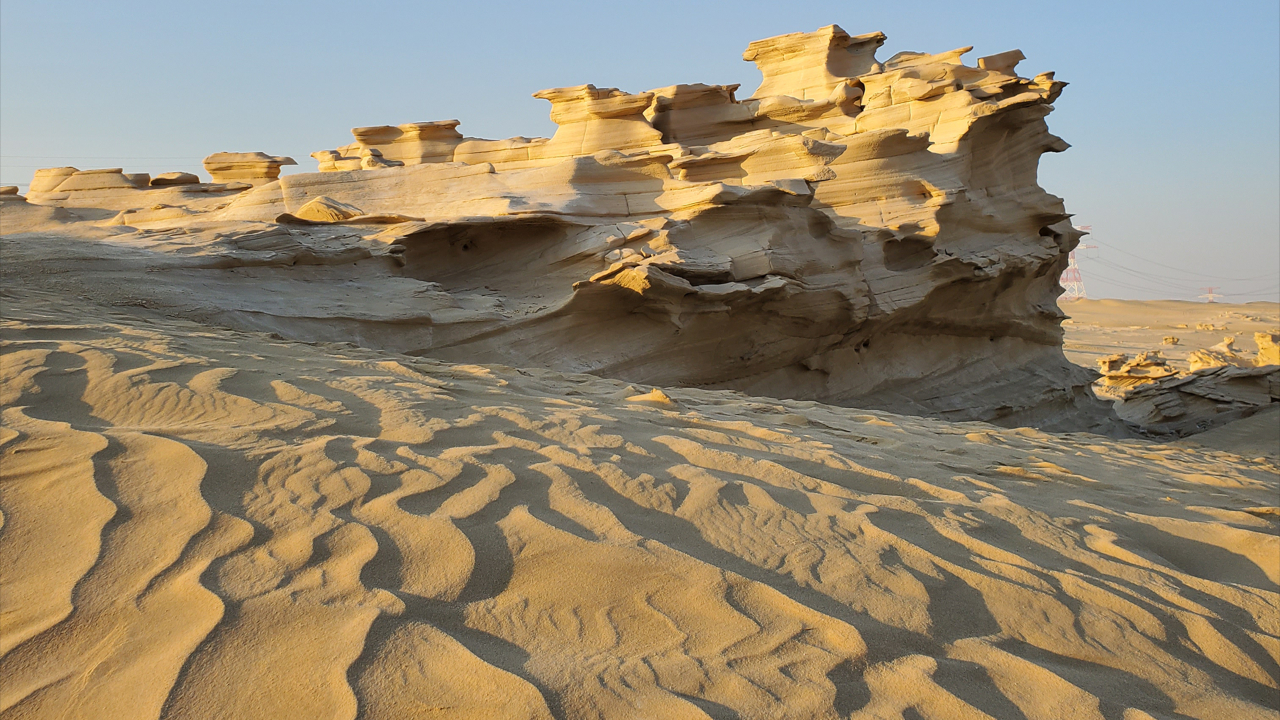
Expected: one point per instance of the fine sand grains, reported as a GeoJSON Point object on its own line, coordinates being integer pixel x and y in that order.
{"type": "Point", "coordinates": [206, 524]}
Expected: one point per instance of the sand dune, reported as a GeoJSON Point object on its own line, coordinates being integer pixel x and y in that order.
{"type": "Point", "coordinates": [199, 523]}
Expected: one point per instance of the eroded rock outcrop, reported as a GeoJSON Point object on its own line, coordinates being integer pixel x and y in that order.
{"type": "Point", "coordinates": [130, 193]}
{"type": "Point", "coordinates": [1222, 384]}
{"type": "Point", "coordinates": [1222, 354]}
{"type": "Point", "coordinates": [1268, 348]}
{"type": "Point", "coordinates": [1188, 403]}
{"type": "Point", "coordinates": [857, 231]}
{"type": "Point", "coordinates": [255, 168]}
{"type": "Point", "coordinates": [174, 178]}
{"type": "Point", "coordinates": [1121, 375]}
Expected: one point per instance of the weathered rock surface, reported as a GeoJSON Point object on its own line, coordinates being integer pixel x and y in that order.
{"type": "Point", "coordinates": [858, 231]}
{"type": "Point", "coordinates": [1120, 374]}
{"type": "Point", "coordinates": [1186, 404]}
{"type": "Point", "coordinates": [1224, 353]}
{"type": "Point", "coordinates": [174, 178]}
{"type": "Point", "coordinates": [1268, 349]}
{"type": "Point", "coordinates": [254, 168]}
{"type": "Point", "coordinates": [325, 209]}
{"type": "Point", "coordinates": [1223, 385]}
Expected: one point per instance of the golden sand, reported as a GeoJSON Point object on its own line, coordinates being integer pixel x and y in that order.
{"type": "Point", "coordinates": [200, 523]}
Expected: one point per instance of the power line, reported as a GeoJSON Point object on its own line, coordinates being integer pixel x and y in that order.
{"type": "Point", "coordinates": [1149, 282]}
{"type": "Point", "coordinates": [1188, 272]}
{"type": "Point", "coordinates": [1275, 289]}
{"type": "Point", "coordinates": [1134, 277]}
{"type": "Point", "coordinates": [1164, 282]}
{"type": "Point", "coordinates": [1136, 282]}
{"type": "Point", "coordinates": [1138, 274]}
{"type": "Point", "coordinates": [1140, 288]}
{"type": "Point", "coordinates": [1140, 285]}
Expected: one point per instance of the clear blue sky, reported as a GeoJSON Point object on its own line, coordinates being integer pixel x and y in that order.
{"type": "Point", "coordinates": [1173, 109]}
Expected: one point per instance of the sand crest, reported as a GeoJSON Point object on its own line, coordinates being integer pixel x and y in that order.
{"type": "Point", "coordinates": [200, 523]}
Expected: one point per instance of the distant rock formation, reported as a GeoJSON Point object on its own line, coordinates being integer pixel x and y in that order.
{"type": "Point", "coordinates": [174, 178]}
{"type": "Point", "coordinates": [254, 168]}
{"type": "Point", "coordinates": [1121, 375]}
{"type": "Point", "coordinates": [1222, 354]}
{"type": "Point", "coordinates": [1188, 403]}
{"type": "Point", "coordinates": [1222, 385]}
{"type": "Point", "coordinates": [1268, 349]}
{"type": "Point", "coordinates": [857, 231]}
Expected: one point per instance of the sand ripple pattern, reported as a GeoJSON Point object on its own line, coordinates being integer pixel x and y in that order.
{"type": "Point", "coordinates": [206, 524]}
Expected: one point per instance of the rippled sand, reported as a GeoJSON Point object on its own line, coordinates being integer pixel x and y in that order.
{"type": "Point", "coordinates": [199, 523]}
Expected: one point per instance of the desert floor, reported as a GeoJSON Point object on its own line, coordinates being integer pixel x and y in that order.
{"type": "Point", "coordinates": [1098, 328]}
{"type": "Point", "coordinates": [200, 523]}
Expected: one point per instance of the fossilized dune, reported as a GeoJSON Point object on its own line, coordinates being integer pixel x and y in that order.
{"type": "Point", "coordinates": [860, 232]}
{"type": "Point", "coordinates": [198, 522]}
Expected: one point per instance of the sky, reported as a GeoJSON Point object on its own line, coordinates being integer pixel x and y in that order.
{"type": "Point", "coordinates": [1173, 108]}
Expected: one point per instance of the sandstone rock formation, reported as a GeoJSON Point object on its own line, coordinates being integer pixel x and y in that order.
{"type": "Point", "coordinates": [857, 231]}
{"type": "Point", "coordinates": [1224, 353]}
{"type": "Point", "coordinates": [1188, 403]}
{"type": "Point", "coordinates": [174, 178]}
{"type": "Point", "coordinates": [1222, 385]}
{"type": "Point", "coordinates": [325, 209]}
{"type": "Point", "coordinates": [254, 168]}
{"type": "Point", "coordinates": [1268, 348]}
{"type": "Point", "coordinates": [1120, 374]}
{"type": "Point", "coordinates": [115, 190]}
{"type": "Point", "coordinates": [48, 179]}
{"type": "Point", "coordinates": [102, 179]}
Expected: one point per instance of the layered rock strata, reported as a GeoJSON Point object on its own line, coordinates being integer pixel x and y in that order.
{"type": "Point", "coordinates": [858, 231]}
{"type": "Point", "coordinates": [1221, 386]}
{"type": "Point", "coordinates": [1189, 403]}
{"type": "Point", "coordinates": [254, 168]}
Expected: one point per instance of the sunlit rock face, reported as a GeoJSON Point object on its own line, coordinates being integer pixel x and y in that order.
{"type": "Point", "coordinates": [859, 231]}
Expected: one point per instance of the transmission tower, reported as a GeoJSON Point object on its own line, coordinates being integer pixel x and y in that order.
{"type": "Point", "coordinates": [1072, 282]}
{"type": "Point", "coordinates": [1209, 294]}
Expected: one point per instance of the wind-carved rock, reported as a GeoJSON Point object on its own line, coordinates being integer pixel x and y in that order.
{"type": "Point", "coordinates": [590, 119]}
{"type": "Point", "coordinates": [810, 66]}
{"type": "Point", "coordinates": [254, 168]}
{"type": "Point", "coordinates": [174, 178]}
{"type": "Point", "coordinates": [857, 231]}
{"type": "Point", "coordinates": [1268, 348]}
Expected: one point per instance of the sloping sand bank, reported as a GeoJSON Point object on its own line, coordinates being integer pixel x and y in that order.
{"type": "Point", "coordinates": [199, 523]}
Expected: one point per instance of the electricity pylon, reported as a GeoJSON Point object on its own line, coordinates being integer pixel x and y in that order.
{"type": "Point", "coordinates": [1071, 280]}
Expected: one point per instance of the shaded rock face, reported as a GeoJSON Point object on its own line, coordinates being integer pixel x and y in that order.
{"type": "Point", "coordinates": [858, 231]}
{"type": "Point", "coordinates": [1205, 398]}
{"type": "Point", "coordinates": [1157, 400]}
